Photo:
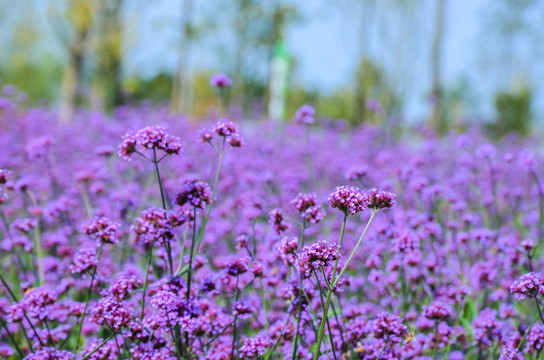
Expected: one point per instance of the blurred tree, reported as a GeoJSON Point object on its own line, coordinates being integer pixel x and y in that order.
{"type": "Point", "coordinates": [258, 27]}
{"type": "Point", "coordinates": [157, 88]}
{"type": "Point", "coordinates": [108, 45]}
{"type": "Point", "coordinates": [513, 112]}
{"type": "Point", "coordinates": [375, 98]}
{"type": "Point", "coordinates": [180, 99]}
{"type": "Point", "coordinates": [72, 21]}
{"type": "Point", "coordinates": [437, 116]}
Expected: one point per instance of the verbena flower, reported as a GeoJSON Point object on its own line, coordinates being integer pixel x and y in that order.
{"type": "Point", "coordinates": [102, 229]}
{"type": "Point", "coordinates": [255, 347]}
{"type": "Point", "coordinates": [194, 193]}
{"type": "Point", "coordinates": [348, 199]}
{"type": "Point", "coordinates": [305, 115]}
{"type": "Point", "coordinates": [528, 285]}
{"type": "Point", "coordinates": [315, 256]}
{"type": "Point", "coordinates": [388, 326]}
{"type": "Point", "coordinates": [379, 199]}
{"type": "Point", "coordinates": [149, 138]}
{"type": "Point", "coordinates": [112, 313]}
{"type": "Point", "coordinates": [277, 222]}
{"type": "Point", "coordinates": [220, 81]}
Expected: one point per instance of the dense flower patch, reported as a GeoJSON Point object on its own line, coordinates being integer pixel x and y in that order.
{"type": "Point", "coordinates": [149, 236]}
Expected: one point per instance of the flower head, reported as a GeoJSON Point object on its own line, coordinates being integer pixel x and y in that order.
{"type": "Point", "coordinates": [151, 137]}
{"type": "Point", "coordinates": [102, 229]}
{"type": "Point", "coordinates": [305, 115]}
{"type": "Point", "coordinates": [317, 255]}
{"type": "Point", "coordinates": [195, 193]}
{"type": "Point", "coordinates": [528, 285]}
{"type": "Point", "coordinates": [379, 199]}
{"type": "Point", "coordinates": [348, 199]}
{"type": "Point", "coordinates": [255, 347]}
{"type": "Point", "coordinates": [220, 81]}
{"type": "Point", "coordinates": [389, 326]}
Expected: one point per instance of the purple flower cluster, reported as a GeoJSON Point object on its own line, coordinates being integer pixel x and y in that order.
{"type": "Point", "coordinates": [102, 229]}
{"type": "Point", "coordinates": [149, 138]}
{"type": "Point", "coordinates": [220, 81]}
{"type": "Point", "coordinates": [348, 199]}
{"type": "Point", "coordinates": [316, 256]}
{"type": "Point", "coordinates": [255, 347]}
{"type": "Point", "coordinates": [194, 193]}
{"type": "Point", "coordinates": [528, 285]}
{"type": "Point", "coordinates": [305, 115]}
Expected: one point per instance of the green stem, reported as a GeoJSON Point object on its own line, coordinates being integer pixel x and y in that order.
{"type": "Point", "coordinates": [97, 348]}
{"type": "Point", "coordinates": [539, 311]}
{"type": "Point", "coordinates": [89, 292]}
{"type": "Point", "coordinates": [335, 282]}
{"type": "Point", "coordinates": [146, 280]}
{"type": "Point", "coordinates": [11, 338]}
{"type": "Point", "coordinates": [163, 201]}
{"type": "Point", "coordinates": [214, 191]}
{"type": "Point", "coordinates": [329, 294]}
{"type": "Point", "coordinates": [234, 323]}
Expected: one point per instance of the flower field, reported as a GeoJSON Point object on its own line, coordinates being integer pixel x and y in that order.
{"type": "Point", "coordinates": [143, 235]}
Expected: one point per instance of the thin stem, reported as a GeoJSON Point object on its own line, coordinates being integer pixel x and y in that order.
{"type": "Point", "coordinates": [214, 191]}
{"type": "Point", "coordinates": [11, 338]}
{"type": "Point", "coordinates": [383, 349]}
{"type": "Point", "coordinates": [539, 311]}
{"type": "Point", "coordinates": [329, 294]}
{"type": "Point", "coordinates": [235, 319]}
{"type": "Point", "coordinates": [265, 306]}
{"type": "Point", "coordinates": [146, 280]}
{"type": "Point", "coordinates": [335, 282]}
{"type": "Point", "coordinates": [191, 256]}
{"type": "Point", "coordinates": [435, 352]}
{"type": "Point", "coordinates": [97, 348]}
{"type": "Point", "coordinates": [163, 201]}
{"type": "Point", "coordinates": [320, 290]}
{"type": "Point", "coordinates": [89, 292]}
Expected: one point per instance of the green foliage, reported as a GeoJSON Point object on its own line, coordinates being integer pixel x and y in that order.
{"type": "Point", "coordinates": [513, 112]}
{"type": "Point", "coordinates": [156, 89]}
{"type": "Point", "coordinates": [38, 80]}
{"type": "Point", "coordinates": [372, 83]}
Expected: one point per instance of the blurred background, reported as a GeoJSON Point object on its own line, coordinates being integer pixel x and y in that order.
{"type": "Point", "coordinates": [447, 63]}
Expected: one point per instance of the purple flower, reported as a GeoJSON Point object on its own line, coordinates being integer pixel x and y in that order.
{"type": "Point", "coordinates": [220, 81]}
{"type": "Point", "coordinates": [508, 353]}
{"type": "Point", "coordinates": [242, 310]}
{"type": "Point", "coordinates": [388, 326]}
{"type": "Point", "coordinates": [102, 229]}
{"type": "Point", "coordinates": [348, 199]}
{"type": "Point", "coordinates": [84, 261]}
{"type": "Point", "coordinates": [237, 267]}
{"type": "Point", "coordinates": [379, 199]}
{"type": "Point", "coordinates": [149, 138]}
{"type": "Point", "coordinates": [528, 285]}
{"type": "Point", "coordinates": [302, 201]}
{"type": "Point", "coordinates": [314, 214]}
{"type": "Point", "coordinates": [437, 310]}
{"type": "Point", "coordinates": [153, 225]}
{"type": "Point", "coordinates": [305, 115]}
{"type": "Point", "coordinates": [225, 128]}
{"type": "Point", "coordinates": [276, 221]}
{"type": "Point", "coordinates": [255, 347]}
{"type": "Point", "coordinates": [195, 193]}
{"type": "Point", "coordinates": [317, 255]}
{"type": "Point", "coordinates": [112, 313]}
{"type": "Point", "coordinates": [50, 354]}
{"type": "Point", "coordinates": [4, 175]}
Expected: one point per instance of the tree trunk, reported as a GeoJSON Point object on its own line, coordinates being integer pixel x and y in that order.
{"type": "Point", "coordinates": [437, 120]}
{"type": "Point", "coordinates": [180, 100]}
